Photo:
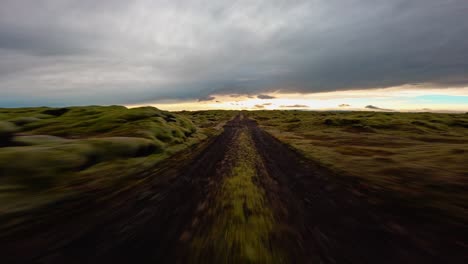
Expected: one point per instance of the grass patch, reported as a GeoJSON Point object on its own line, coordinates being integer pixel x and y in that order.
{"type": "Point", "coordinates": [243, 222]}
{"type": "Point", "coordinates": [416, 160]}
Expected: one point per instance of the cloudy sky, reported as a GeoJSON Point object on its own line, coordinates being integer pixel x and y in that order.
{"type": "Point", "coordinates": [247, 54]}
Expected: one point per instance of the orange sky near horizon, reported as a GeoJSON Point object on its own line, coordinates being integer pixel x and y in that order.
{"type": "Point", "coordinates": [404, 98]}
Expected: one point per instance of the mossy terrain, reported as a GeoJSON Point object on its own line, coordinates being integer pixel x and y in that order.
{"type": "Point", "coordinates": [243, 222]}
{"type": "Point", "coordinates": [413, 160]}
{"type": "Point", "coordinates": [46, 153]}
{"type": "Point", "coordinates": [209, 120]}
{"type": "Point", "coordinates": [99, 121]}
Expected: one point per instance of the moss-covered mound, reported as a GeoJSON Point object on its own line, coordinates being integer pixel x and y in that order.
{"type": "Point", "coordinates": [41, 147]}
{"type": "Point", "coordinates": [101, 121]}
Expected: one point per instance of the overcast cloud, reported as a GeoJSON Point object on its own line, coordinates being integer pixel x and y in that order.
{"type": "Point", "coordinates": [55, 52]}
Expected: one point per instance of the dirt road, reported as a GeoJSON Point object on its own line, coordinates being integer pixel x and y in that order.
{"type": "Point", "coordinates": [242, 197]}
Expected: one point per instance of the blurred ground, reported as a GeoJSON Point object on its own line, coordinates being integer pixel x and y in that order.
{"type": "Point", "coordinates": [416, 161]}
{"type": "Point", "coordinates": [47, 154]}
{"type": "Point", "coordinates": [240, 196]}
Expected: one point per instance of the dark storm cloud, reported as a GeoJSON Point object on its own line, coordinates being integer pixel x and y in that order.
{"type": "Point", "coordinates": [92, 52]}
{"type": "Point", "coordinates": [265, 96]}
{"type": "Point", "coordinates": [377, 108]}
{"type": "Point", "coordinates": [294, 106]}
{"type": "Point", "coordinates": [206, 98]}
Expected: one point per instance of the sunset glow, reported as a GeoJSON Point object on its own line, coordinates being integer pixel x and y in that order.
{"type": "Point", "coordinates": [405, 98]}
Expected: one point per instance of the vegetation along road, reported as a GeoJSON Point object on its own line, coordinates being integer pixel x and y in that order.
{"type": "Point", "coordinates": [239, 197]}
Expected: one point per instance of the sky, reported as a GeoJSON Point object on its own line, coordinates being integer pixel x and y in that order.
{"type": "Point", "coordinates": [403, 55]}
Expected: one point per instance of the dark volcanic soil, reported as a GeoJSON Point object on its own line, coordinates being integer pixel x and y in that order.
{"type": "Point", "coordinates": [315, 220]}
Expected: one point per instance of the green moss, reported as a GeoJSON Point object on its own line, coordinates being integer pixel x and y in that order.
{"type": "Point", "coordinates": [38, 140]}
{"type": "Point", "coordinates": [123, 147]}
{"type": "Point", "coordinates": [102, 121]}
{"type": "Point", "coordinates": [60, 148]}
{"type": "Point", "coordinates": [397, 155]}
{"type": "Point", "coordinates": [39, 167]}
{"type": "Point", "coordinates": [23, 120]}
{"type": "Point", "coordinates": [7, 131]}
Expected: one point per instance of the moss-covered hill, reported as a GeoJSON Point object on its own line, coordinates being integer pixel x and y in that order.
{"type": "Point", "coordinates": [100, 121]}
{"type": "Point", "coordinates": [45, 150]}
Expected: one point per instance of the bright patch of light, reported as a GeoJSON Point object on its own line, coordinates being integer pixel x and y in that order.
{"type": "Point", "coordinates": [403, 98]}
